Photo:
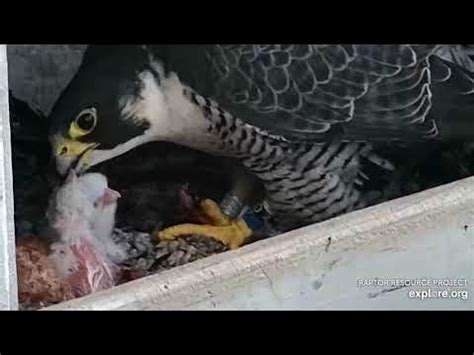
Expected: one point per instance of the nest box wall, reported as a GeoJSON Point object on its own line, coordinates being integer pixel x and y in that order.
{"type": "Point", "coordinates": [38, 73]}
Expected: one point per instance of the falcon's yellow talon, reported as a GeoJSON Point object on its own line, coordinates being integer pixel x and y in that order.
{"type": "Point", "coordinates": [231, 233]}
{"type": "Point", "coordinates": [213, 212]}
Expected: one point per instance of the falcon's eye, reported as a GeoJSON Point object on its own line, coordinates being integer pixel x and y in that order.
{"type": "Point", "coordinates": [84, 123]}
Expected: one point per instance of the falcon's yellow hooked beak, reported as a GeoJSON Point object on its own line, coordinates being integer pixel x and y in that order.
{"type": "Point", "coordinates": [72, 154]}
{"type": "Point", "coordinates": [69, 151]}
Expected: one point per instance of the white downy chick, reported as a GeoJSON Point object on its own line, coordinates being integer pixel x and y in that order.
{"type": "Point", "coordinates": [82, 213]}
{"type": "Point", "coordinates": [95, 187]}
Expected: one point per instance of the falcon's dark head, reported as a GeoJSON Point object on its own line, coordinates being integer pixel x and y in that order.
{"type": "Point", "coordinates": [113, 104]}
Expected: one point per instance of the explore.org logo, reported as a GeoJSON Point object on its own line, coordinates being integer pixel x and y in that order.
{"type": "Point", "coordinates": [420, 289]}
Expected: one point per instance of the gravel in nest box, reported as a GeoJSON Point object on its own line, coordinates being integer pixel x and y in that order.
{"type": "Point", "coordinates": [144, 257]}
{"type": "Point", "coordinates": [169, 254]}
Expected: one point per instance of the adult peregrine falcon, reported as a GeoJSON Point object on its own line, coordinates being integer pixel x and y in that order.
{"type": "Point", "coordinates": [302, 118]}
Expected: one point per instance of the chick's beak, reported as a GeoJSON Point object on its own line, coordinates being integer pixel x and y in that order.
{"type": "Point", "coordinates": [111, 196]}
{"type": "Point", "coordinates": [71, 154]}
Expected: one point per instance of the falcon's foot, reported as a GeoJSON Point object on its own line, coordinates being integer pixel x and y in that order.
{"type": "Point", "coordinates": [232, 233]}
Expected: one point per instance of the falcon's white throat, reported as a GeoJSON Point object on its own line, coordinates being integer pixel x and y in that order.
{"type": "Point", "coordinates": [171, 115]}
